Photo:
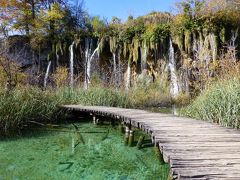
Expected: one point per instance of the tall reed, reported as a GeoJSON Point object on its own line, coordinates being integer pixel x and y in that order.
{"type": "Point", "coordinates": [219, 104]}
{"type": "Point", "coordinates": [25, 104]}
{"type": "Point", "coordinates": [98, 96]}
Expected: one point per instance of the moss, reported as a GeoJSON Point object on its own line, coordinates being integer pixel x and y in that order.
{"type": "Point", "coordinates": [180, 42]}
{"type": "Point", "coordinates": [188, 41]}
{"type": "Point", "coordinates": [59, 48]}
{"type": "Point", "coordinates": [201, 38]}
{"type": "Point", "coordinates": [136, 45]}
{"type": "Point", "coordinates": [125, 49]}
{"type": "Point", "coordinates": [222, 35]}
{"type": "Point", "coordinates": [102, 44]}
{"type": "Point", "coordinates": [195, 39]}
{"type": "Point", "coordinates": [113, 43]}
{"type": "Point", "coordinates": [213, 41]}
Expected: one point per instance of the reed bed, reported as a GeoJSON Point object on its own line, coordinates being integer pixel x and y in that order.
{"type": "Point", "coordinates": [25, 104]}
{"type": "Point", "coordinates": [218, 104]}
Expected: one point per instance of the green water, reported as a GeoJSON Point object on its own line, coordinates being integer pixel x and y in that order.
{"type": "Point", "coordinates": [92, 153]}
{"type": "Point", "coordinates": [166, 110]}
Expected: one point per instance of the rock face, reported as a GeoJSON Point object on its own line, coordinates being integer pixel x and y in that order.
{"type": "Point", "coordinates": [186, 58]}
{"type": "Point", "coordinates": [32, 62]}
{"type": "Point", "coordinates": [19, 50]}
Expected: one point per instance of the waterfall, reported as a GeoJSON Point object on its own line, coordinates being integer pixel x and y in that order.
{"type": "Point", "coordinates": [71, 64]}
{"type": "Point", "coordinates": [57, 58]}
{"type": "Point", "coordinates": [46, 74]}
{"type": "Point", "coordinates": [172, 67]}
{"type": "Point", "coordinates": [119, 68]}
{"type": "Point", "coordinates": [128, 78]}
{"type": "Point", "coordinates": [144, 57]}
{"type": "Point", "coordinates": [88, 46]}
{"type": "Point", "coordinates": [232, 45]}
{"type": "Point", "coordinates": [213, 45]}
{"type": "Point", "coordinates": [88, 63]}
{"type": "Point", "coordinates": [114, 69]}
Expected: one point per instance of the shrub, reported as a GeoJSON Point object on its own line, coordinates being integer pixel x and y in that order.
{"type": "Point", "coordinates": [150, 94]}
{"type": "Point", "coordinates": [61, 77]}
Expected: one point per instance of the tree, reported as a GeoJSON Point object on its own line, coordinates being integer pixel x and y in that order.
{"type": "Point", "coordinates": [98, 26]}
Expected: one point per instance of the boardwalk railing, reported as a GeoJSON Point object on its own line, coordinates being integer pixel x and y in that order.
{"type": "Point", "coordinates": [194, 149]}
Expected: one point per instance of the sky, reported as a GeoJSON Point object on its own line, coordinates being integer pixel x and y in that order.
{"type": "Point", "coordinates": [123, 8]}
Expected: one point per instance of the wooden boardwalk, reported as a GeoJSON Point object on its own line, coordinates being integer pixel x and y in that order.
{"type": "Point", "coordinates": [194, 149]}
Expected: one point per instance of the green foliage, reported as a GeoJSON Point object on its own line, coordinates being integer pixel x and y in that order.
{"type": "Point", "coordinates": [98, 26]}
{"type": "Point", "coordinates": [201, 14]}
{"type": "Point", "coordinates": [157, 33]}
{"type": "Point", "coordinates": [55, 13]}
{"type": "Point", "coordinates": [219, 104]}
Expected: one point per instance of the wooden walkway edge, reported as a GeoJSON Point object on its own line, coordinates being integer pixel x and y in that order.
{"type": "Point", "coordinates": [194, 149]}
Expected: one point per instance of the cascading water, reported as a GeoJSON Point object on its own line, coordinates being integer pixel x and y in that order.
{"type": "Point", "coordinates": [71, 64]}
{"type": "Point", "coordinates": [144, 57]}
{"type": "Point", "coordinates": [232, 44]}
{"type": "Point", "coordinates": [89, 61]}
{"type": "Point", "coordinates": [172, 67]}
{"type": "Point", "coordinates": [47, 74]}
{"type": "Point", "coordinates": [88, 47]}
{"type": "Point", "coordinates": [57, 58]}
{"type": "Point", "coordinates": [128, 77]}
{"type": "Point", "coordinates": [119, 70]}
{"type": "Point", "coordinates": [114, 68]}
{"type": "Point", "coordinates": [213, 45]}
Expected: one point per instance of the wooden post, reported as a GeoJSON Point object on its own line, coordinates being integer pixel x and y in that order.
{"type": "Point", "coordinates": [112, 122]}
{"type": "Point", "coordinates": [130, 125]}
{"type": "Point", "coordinates": [131, 138]}
{"type": "Point", "coordinates": [140, 142]}
{"type": "Point", "coordinates": [94, 119]}
{"type": "Point", "coordinates": [158, 153]}
{"type": "Point", "coordinates": [121, 128]}
{"type": "Point", "coordinates": [126, 135]}
{"type": "Point", "coordinates": [153, 139]}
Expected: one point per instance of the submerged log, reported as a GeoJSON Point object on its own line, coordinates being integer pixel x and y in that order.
{"type": "Point", "coordinates": [126, 138]}
{"type": "Point", "coordinates": [140, 142]}
{"type": "Point", "coordinates": [70, 164]}
{"type": "Point", "coordinates": [78, 134]}
{"type": "Point", "coordinates": [69, 131]}
{"type": "Point", "coordinates": [106, 135]}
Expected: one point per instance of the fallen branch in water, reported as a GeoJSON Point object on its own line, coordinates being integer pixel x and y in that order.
{"type": "Point", "coordinates": [105, 136]}
{"type": "Point", "coordinates": [70, 164]}
{"type": "Point", "coordinates": [78, 134]}
{"type": "Point", "coordinates": [68, 131]}
{"type": "Point", "coordinates": [41, 124]}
